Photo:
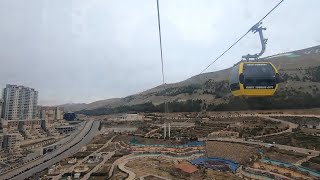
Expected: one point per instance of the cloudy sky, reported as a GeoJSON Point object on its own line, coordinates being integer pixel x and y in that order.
{"type": "Point", "coordinates": [87, 50]}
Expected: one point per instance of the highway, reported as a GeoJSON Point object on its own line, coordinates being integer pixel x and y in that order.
{"type": "Point", "coordinates": [84, 137]}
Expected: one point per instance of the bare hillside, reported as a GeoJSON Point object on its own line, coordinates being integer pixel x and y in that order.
{"type": "Point", "coordinates": [299, 70]}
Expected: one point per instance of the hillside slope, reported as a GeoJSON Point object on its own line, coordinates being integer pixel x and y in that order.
{"type": "Point", "coordinates": [299, 70]}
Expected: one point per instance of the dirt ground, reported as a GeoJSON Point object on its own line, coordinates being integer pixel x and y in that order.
{"type": "Point", "coordinates": [232, 151]}
{"type": "Point", "coordinates": [157, 166]}
{"type": "Point", "coordinates": [217, 175]}
{"type": "Point", "coordinates": [282, 111]}
{"type": "Point", "coordinates": [141, 140]}
{"type": "Point", "coordinates": [297, 139]}
{"type": "Point", "coordinates": [152, 178]}
{"type": "Point", "coordinates": [109, 148]}
{"type": "Point", "coordinates": [93, 147]}
{"type": "Point", "coordinates": [118, 175]}
{"type": "Point", "coordinates": [313, 163]}
{"type": "Point", "coordinates": [100, 139]}
{"type": "Point", "coordinates": [103, 170]}
{"type": "Point", "coordinates": [165, 168]}
{"type": "Point", "coordinates": [283, 155]}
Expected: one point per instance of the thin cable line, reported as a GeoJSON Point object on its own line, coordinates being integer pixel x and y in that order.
{"type": "Point", "coordinates": [161, 56]}
{"type": "Point", "coordinates": [241, 37]}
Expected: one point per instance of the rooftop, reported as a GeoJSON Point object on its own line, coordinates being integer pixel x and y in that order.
{"type": "Point", "coordinates": [186, 167]}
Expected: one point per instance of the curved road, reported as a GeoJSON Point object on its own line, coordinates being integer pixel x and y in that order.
{"type": "Point", "coordinates": [285, 147]}
{"type": "Point", "coordinates": [121, 162]}
{"type": "Point", "coordinates": [290, 125]}
{"type": "Point", "coordinates": [84, 137]}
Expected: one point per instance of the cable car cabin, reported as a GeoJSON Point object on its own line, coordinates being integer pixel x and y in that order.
{"type": "Point", "coordinates": [254, 79]}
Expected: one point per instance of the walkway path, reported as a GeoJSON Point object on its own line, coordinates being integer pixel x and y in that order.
{"type": "Point", "coordinates": [256, 176]}
{"type": "Point", "coordinates": [298, 163]}
{"type": "Point", "coordinates": [81, 161]}
{"type": "Point", "coordinates": [143, 177]}
{"type": "Point", "coordinates": [285, 147]}
{"type": "Point", "coordinates": [131, 174]}
{"type": "Point", "coordinates": [105, 158]}
{"type": "Point", "coordinates": [121, 162]}
{"type": "Point", "coordinates": [290, 124]}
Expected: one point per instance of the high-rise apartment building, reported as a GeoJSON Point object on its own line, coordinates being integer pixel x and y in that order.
{"type": "Point", "coordinates": [19, 103]}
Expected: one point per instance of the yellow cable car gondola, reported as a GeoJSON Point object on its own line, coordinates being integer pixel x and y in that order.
{"type": "Point", "coordinates": [254, 78]}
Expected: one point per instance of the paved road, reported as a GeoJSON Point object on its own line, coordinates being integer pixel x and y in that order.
{"type": "Point", "coordinates": [275, 115]}
{"type": "Point", "coordinates": [288, 148]}
{"type": "Point", "coordinates": [290, 124]}
{"type": "Point", "coordinates": [88, 132]}
{"type": "Point", "coordinates": [105, 159]}
{"type": "Point", "coordinates": [292, 115]}
{"type": "Point", "coordinates": [298, 163]}
{"type": "Point", "coordinates": [256, 176]}
{"type": "Point", "coordinates": [131, 175]}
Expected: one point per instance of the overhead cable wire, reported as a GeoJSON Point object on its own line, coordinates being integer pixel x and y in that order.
{"type": "Point", "coordinates": [241, 37]}
{"type": "Point", "coordinates": [161, 56]}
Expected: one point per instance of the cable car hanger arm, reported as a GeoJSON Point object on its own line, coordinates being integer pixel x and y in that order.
{"type": "Point", "coordinates": [259, 29]}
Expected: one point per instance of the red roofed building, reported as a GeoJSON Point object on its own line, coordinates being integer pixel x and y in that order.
{"type": "Point", "coordinates": [186, 167]}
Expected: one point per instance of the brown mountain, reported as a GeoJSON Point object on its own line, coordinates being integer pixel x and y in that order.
{"type": "Point", "coordinates": [300, 72]}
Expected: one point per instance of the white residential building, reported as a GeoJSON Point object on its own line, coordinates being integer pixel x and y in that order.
{"type": "Point", "coordinates": [19, 103]}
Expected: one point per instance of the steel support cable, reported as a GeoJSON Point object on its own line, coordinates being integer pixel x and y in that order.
{"type": "Point", "coordinates": [161, 56]}
{"type": "Point", "coordinates": [241, 37]}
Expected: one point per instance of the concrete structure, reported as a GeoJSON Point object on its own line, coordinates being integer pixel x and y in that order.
{"type": "Point", "coordinates": [11, 142]}
{"type": "Point", "coordinates": [65, 129]}
{"type": "Point", "coordinates": [67, 149]}
{"type": "Point", "coordinates": [131, 117]}
{"type": "Point", "coordinates": [51, 114]}
{"type": "Point", "coordinates": [1, 102]}
{"type": "Point", "coordinates": [19, 103]}
{"type": "Point", "coordinates": [1, 142]}
{"type": "Point", "coordinates": [70, 116]}
{"type": "Point", "coordinates": [28, 129]}
{"type": "Point", "coordinates": [51, 118]}
{"type": "Point", "coordinates": [219, 134]}
{"type": "Point", "coordinates": [165, 130]}
{"type": "Point", "coordinates": [312, 125]}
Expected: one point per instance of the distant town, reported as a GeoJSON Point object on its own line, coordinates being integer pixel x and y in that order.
{"type": "Point", "coordinates": [29, 131]}
{"type": "Point", "coordinates": [39, 142]}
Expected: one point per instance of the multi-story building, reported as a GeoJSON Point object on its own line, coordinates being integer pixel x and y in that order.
{"type": "Point", "coordinates": [11, 142]}
{"type": "Point", "coordinates": [1, 108]}
{"type": "Point", "coordinates": [19, 103]}
{"type": "Point", "coordinates": [1, 141]}
{"type": "Point", "coordinates": [51, 118]}
{"type": "Point", "coordinates": [19, 110]}
{"type": "Point", "coordinates": [51, 113]}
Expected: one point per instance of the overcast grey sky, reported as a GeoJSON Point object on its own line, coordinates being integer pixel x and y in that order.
{"type": "Point", "coordinates": [87, 50]}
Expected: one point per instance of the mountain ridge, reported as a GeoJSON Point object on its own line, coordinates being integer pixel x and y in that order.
{"type": "Point", "coordinates": [212, 87]}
